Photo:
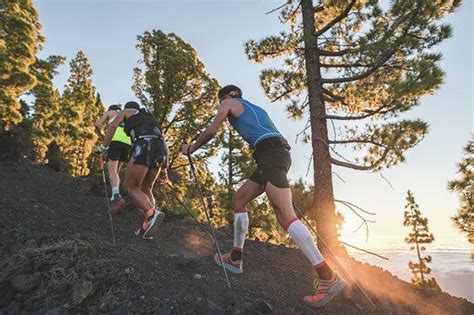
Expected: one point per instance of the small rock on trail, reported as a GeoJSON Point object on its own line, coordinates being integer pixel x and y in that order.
{"type": "Point", "coordinates": [81, 291]}
{"type": "Point", "coordinates": [26, 282]}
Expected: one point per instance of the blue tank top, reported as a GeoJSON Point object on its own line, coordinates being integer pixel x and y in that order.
{"type": "Point", "coordinates": [254, 124]}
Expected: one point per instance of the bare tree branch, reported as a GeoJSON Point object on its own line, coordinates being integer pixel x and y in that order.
{"type": "Point", "coordinates": [388, 182]}
{"type": "Point", "coordinates": [339, 176]}
{"type": "Point", "coordinates": [336, 19]}
{"type": "Point", "coordinates": [370, 113]}
{"type": "Point", "coordinates": [306, 127]}
{"type": "Point", "coordinates": [353, 208]}
{"type": "Point", "coordinates": [309, 164]}
{"type": "Point", "coordinates": [280, 7]}
{"type": "Point", "coordinates": [364, 250]}
{"type": "Point", "coordinates": [354, 205]}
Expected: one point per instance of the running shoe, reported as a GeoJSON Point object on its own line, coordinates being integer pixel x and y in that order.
{"type": "Point", "coordinates": [116, 204]}
{"type": "Point", "coordinates": [151, 222]}
{"type": "Point", "coordinates": [326, 290]}
{"type": "Point", "coordinates": [229, 264]}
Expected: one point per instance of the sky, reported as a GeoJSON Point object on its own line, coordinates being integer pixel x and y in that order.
{"type": "Point", "coordinates": [107, 32]}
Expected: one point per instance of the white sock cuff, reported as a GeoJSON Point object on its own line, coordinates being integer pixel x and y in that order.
{"type": "Point", "coordinates": [241, 226]}
{"type": "Point", "coordinates": [115, 190]}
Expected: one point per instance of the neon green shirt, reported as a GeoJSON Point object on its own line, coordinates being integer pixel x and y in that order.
{"type": "Point", "coordinates": [121, 136]}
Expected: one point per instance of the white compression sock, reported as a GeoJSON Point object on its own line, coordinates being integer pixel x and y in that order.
{"type": "Point", "coordinates": [303, 238]}
{"type": "Point", "coordinates": [115, 190]}
{"type": "Point", "coordinates": [241, 226]}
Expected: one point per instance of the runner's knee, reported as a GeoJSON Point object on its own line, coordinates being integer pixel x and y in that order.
{"type": "Point", "coordinates": [238, 200]}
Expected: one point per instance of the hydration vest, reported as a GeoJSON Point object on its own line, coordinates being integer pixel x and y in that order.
{"type": "Point", "coordinates": [142, 124]}
{"type": "Point", "coordinates": [254, 125]}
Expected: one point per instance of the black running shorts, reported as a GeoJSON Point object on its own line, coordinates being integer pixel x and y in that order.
{"type": "Point", "coordinates": [273, 163]}
{"type": "Point", "coordinates": [151, 152]}
{"type": "Point", "coordinates": [118, 151]}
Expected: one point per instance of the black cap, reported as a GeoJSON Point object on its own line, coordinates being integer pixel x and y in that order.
{"type": "Point", "coordinates": [133, 105]}
{"type": "Point", "coordinates": [115, 107]}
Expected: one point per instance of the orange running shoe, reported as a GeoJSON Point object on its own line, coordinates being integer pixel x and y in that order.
{"type": "Point", "coordinates": [326, 290]}
{"type": "Point", "coordinates": [229, 264]}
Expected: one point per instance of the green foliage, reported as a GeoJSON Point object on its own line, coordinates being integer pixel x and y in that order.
{"type": "Point", "coordinates": [79, 110]}
{"type": "Point", "coordinates": [375, 63]}
{"type": "Point", "coordinates": [173, 84]}
{"type": "Point", "coordinates": [418, 235]}
{"type": "Point", "coordinates": [463, 186]}
{"type": "Point", "coordinates": [15, 143]}
{"type": "Point", "coordinates": [20, 40]}
{"type": "Point", "coordinates": [47, 104]}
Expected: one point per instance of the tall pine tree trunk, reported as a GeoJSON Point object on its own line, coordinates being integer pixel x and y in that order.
{"type": "Point", "coordinates": [324, 196]}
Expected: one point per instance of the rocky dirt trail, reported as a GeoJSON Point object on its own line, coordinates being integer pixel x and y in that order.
{"type": "Point", "coordinates": [56, 257]}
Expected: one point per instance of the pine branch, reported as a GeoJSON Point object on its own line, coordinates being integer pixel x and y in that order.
{"type": "Point", "coordinates": [370, 113]}
{"type": "Point", "coordinates": [289, 16]}
{"type": "Point", "coordinates": [333, 96]}
{"type": "Point", "coordinates": [363, 75]}
{"type": "Point", "coordinates": [357, 141]}
{"type": "Point", "coordinates": [328, 53]}
{"type": "Point", "coordinates": [346, 65]}
{"type": "Point", "coordinates": [362, 167]}
{"type": "Point", "coordinates": [336, 19]}
{"type": "Point", "coordinates": [382, 60]}
{"type": "Point", "coordinates": [282, 95]}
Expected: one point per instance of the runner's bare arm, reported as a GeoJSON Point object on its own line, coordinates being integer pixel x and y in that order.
{"type": "Point", "coordinates": [113, 126]}
{"type": "Point", "coordinates": [100, 122]}
{"type": "Point", "coordinates": [210, 131]}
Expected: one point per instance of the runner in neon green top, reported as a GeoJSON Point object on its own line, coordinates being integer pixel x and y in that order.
{"type": "Point", "coordinates": [117, 154]}
{"type": "Point", "coordinates": [120, 135]}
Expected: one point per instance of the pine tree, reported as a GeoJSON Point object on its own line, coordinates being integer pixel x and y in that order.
{"type": "Point", "coordinates": [79, 111]}
{"type": "Point", "coordinates": [173, 84]}
{"type": "Point", "coordinates": [46, 116]}
{"type": "Point", "coordinates": [359, 63]}
{"type": "Point", "coordinates": [464, 219]}
{"type": "Point", "coordinates": [418, 236]}
{"type": "Point", "coordinates": [20, 41]}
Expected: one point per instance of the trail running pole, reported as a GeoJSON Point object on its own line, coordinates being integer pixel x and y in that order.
{"type": "Point", "coordinates": [335, 257]}
{"type": "Point", "coordinates": [101, 164]}
{"type": "Point", "coordinates": [191, 214]}
{"type": "Point", "coordinates": [196, 180]}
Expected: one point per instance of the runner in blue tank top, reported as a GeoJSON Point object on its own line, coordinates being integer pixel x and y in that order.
{"type": "Point", "coordinates": [271, 153]}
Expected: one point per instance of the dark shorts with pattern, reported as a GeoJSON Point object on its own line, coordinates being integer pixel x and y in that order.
{"type": "Point", "coordinates": [151, 152]}
{"type": "Point", "coordinates": [273, 160]}
{"type": "Point", "coordinates": [118, 151]}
